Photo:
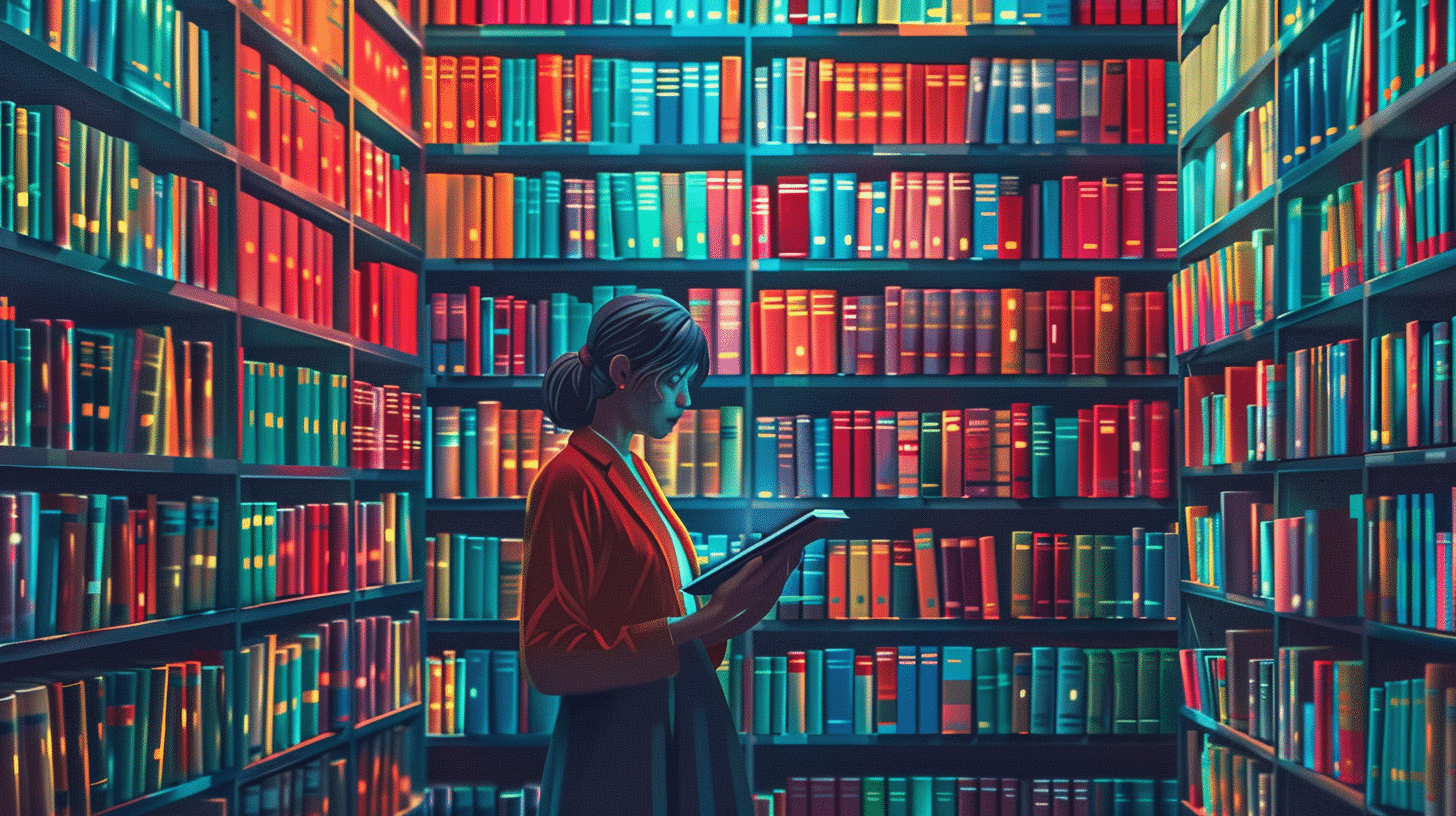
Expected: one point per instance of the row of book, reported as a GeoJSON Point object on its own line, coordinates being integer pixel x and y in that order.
{"type": "Point", "coordinates": [1230, 290]}
{"type": "Point", "coordinates": [907, 330]}
{"type": "Point", "coordinates": [387, 428]}
{"type": "Point", "coordinates": [1409, 44]}
{"type": "Point", "coordinates": [581, 98]}
{"type": "Point", "coordinates": [75, 562]}
{"type": "Point", "coordinates": [1323, 94]}
{"type": "Point", "coordinates": [294, 415]}
{"type": "Point", "coordinates": [80, 188]}
{"type": "Point", "coordinates": [159, 53]}
{"type": "Point", "coordinates": [1412, 738]}
{"type": "Point", "coordinates": [1409, 568]}
{"type": "Point", "coordinates": [502, 335]}
{"type": "Point", "coordinates": [291, 551]}
{"type": "Point", "coordinates": [291, 688]}
{"type": "Point", "coordinates": [988, 100]}
{"type": "Point", "coordinates": [285, 261]}
{"type": "Point", "coordinates": [1233, 168]}
{"type": "Point", "coordinates": [802, 12]}
{"type": "Point", "coordinates": [1227, 781]}
{"type": "Point", "coordinates": [381, 188]}
{"type": "Point", "coordinates": [1413, 205]}
{"type": "Point", "coordinates": [1407, 387]}
{"type": "Point", "coordinates": [968, 796]}
{"type": "Point", "coordinates": [482, 800]}
{"type": "Point", "coordinates": [484, 691]}
{"type": "Point", "coordinates": [380, 73]}
{"type": "Point", "coordinates": [119, 390]}
{"type": "Point", "coordinates": [695, 215]}
{"type": "Point", "coordinates": [100, 738]}
{"type": "Point", "coordinates": [317, 27]}
{"type": "Point", "coordinates": [1023, 452]}
{"type": "Point", "coordinates": [475, 577]}
{"type": "Point", "coordinates": [281, 124]}
{"type": "Point", "coordinates": [1219, 58]}
{"type": "Point", "coordinates": [385, 785]}
{"type": "Point", "coordinates": [960, 215]}
{"type": "Point", "coordinates": [384, 305]}
{"type": "Point", "coordinates": [960, 690]}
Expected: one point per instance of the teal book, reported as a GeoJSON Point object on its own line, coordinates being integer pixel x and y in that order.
{"type": "Point", "coordinates": [930, 454]}
{"type": "Point", "coordinates": [306, 722]}
{"type": "Point", "coordinates": [1005, 12]}
{"type": "Point", "coordinates": [1300, 283]}
{"type": "Point", "coordinates": [731, 434]}
{"type": "Point", "coordinates": [601, 99]}
{"type": "Point", "coordinates": [1064, 456]}
{"type": "Point", "coordinates": [985, 191]}
{"type": "Point", "coordinates": [618, 125]}
{"type": "Point", "coordinates": [695, 215]}
{"type": "Point", "coordinates": [815, 13]}
{"type": "Point", "coordinates": [559, 326]}
{"type": "Point", "coordinates": [1057, 12]}
{"type": "Point", "coordinates": [765, 457]}
{"type": "Point", "coordinates": [777, 109]}
{"type": "Point", "coordinates": [760, 105]}
{"type": "Point", "coordinates": [778, 694]}
{"type": "Point", "coordinates": [1071, 690]}
{"type": "Point", "coordinates": [913, 11]}
{"type": "Point", "coordinates": [624, 221]}
{"type": "Point", "coordinates": [1154, 585]}
{"type": "Point", "coordinates": [668, 100]}
{"type": "Point", "coordinates": [664, 12]}
{"type": "Point", "coordinates": [489, 576]}
{"type": "Point", "coordinates": [1003, 689]}
{"type": "Point", "coordinates": [1043, 462]}
{"type": "Point", "coordinates": [505, 679]}
{"type": "Point", "coordinates": [842, 235]}
{"type": "Point", "coordinates": [7, 165]}
{"type": "Point", "coordinates": [1374, 749]}
{"type": "Point", "coordinates": [541, 710]}
{"type": "Point", "coordinates": [879, 219]}
{"type": "Point", "coordinates": [762, 694]}
{"type": "Point", "coordinates": [1403, 560]}
{"type": "Point", "coordinates": [550, 231]}
{"type": "Point", "coordinates": [472, 568]}
{"type": "Point", "coordinates": [521, 188]}
{"type": "Point", "coordinates": [906, 702]}
{"type": "Point", "coordinates": [1051, 221]}
{"type": "Point", "coordinates": [897, 796]}
{"type": "Point", "coordinates": [691, 131]}
{"type": "Point", "coordinates": [985, 700]}
{"type": "Point", "coordinates": [839, 690]}
{"type": "Point", "coordinates": [647, 185]}
{"type": "Point", "coordinates": [711, 131]}
{"type": "Point", "coordinates": [814, 691]}
{"type": "Point", "coordinates": [1416, 751]}
{"type": "Point", "coordinates": [606, 222]}
{"type": "Point", "coordinates": [1428, 544]}
{"type": "Point", "coordinates": [1044, 681]}
{"type": "Point", "coordinates": [997, 100]}
{"type": "Point", "coordinates": [642, 128]}
{"type": "Point", "coordinates": [1018, 101]}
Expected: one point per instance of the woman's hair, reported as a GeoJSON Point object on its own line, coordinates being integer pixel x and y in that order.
{"type": "Point", "coordinates": [657, 335]}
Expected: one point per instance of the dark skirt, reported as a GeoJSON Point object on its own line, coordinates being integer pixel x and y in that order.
{"type": "Point", "coordinates": [664, 748]}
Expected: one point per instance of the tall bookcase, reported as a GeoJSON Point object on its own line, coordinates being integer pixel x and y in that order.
{"type": "Point", "coordinates": [1369, 607]}
{"type": "Point", "coordinates": [41, 280]}
{"type": "Point", "coordinates": [516, 759]}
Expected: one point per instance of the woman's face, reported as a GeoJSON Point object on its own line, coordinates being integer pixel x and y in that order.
{"type": "Point", "coordinates": [657, 406]}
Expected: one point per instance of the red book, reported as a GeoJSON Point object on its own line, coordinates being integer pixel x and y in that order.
{"type": "Point", "coordinates": [1009, 218]}
{"type": "Point", "coordinates": [1020, 450]}
{"type": "Point", "coordinates": [935, 103]}
{"type": "Point", "coordinates": [811, 101]}
{"type": "Point", "coordinates": [987, 343]}
{"type": "Point", "coordinates": [1114, 91]}
{"type": "Point", "coordinates": [1137, 96]}
{"type": "Point", "coordinates": [1130, 12]}
{"type": "Point", "coordinates": [728, 342]}
{"type": "Point", "coordinates": [734, 217]}
{"type": "Point", "coordinates": [1165, 216]}
{"type": "Point", "coordinates": [958, 216]}
{"type": "Point", "coordinates": [1155, 332]}
{"type": "Point", "coordinates": [970, 563]}
{"type": "Point", "coordinates": [952, 453]}
{"type": "Point", "coordinates": [271, 291]}
{"type": "Point", "coordinates": [794, 105]}
{"type": "Point", "coordinates": [1106, 449]}
{"type": "Point", "coordinates": [893, 310]}
{"type": "Point", "coordinates": [1109, 241]}
{"type": "Point", "coordinates": [306, 137]}
{"type": "Point", "coordinates": [249, 261]}
{"type": "Point", "coordinates": [1136, 483]}
{"type": "Point", "coordinates": [823, 332]}
{"type": "Point", "coordinates": [793, 216]}
{"type": "Point", "coordinates": [1104, 12]}
{"type": "Point", "coordinates": [957, 81]}
{"type": "Point", "coordinates": [864, 212]}
{"type": "Point", "coordinates": [897, 204]}
{"type": "Point", "coordinates": [887, 662]}
{"type": "Point", "coordinates": [291, 226]}
{"type": "Point", "coordinates": [886, 455]}
{"type": "Point", "coordinates": [863, 454]}
{"type": "Point", "coordinates": [1134, 350]}
{"type": "Point", "coordinates": [977, 463]}
{"type": "Point", "coordinates": [892, 103]}
{"type": "Point", "coordinates": [841, 430]}
{"type": "Point", "coordinates": [772, 331]}
{"type": "Point", "coordinates": [1089, 219]}
{"type": "Point", "coordinates": [867, 102]}
{"type": "Point", "coordinates": [1157, 72]}
{"type": "Point", "coordinates": [760, 213]}
{"type": "Point", "coordinates": [250, 102]}
{"type": "Point", "coordinates": [933, 240]}
{"type": "Point", "coordinates": [718, 214]}
{"type": "Point", "coordinates": [1058, 330]}
{"type": "Point", "coordinates": [1061, 575]}
{"type": "Point", "coordinates": [822, 76]}
{"type": "Point", "coordinates": [473, 363]}
{"type": "Point", "coordinates": [1082, 332]}
{"type": "Point", "coordinates": [950, 577]}
{"type": "Point", "coordinates": [915, 103]}
{"type": "Point", "coordinates": [1043, 575]}
{"type": "Point", "coordinates": [1324, 692]}
{"type": "Point", "coordinates": [915, 214]}
{"type": "Point", "coordinates": [581, 76]}
{"type": "Point", "coordinates": [1155, 12]}
{"type": "Point", "coordinates": [1134, 223]}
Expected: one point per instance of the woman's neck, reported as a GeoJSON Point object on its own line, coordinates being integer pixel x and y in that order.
{"type": "Point", "coordinates": [615, 434]}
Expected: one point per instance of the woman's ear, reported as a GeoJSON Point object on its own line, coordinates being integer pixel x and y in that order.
{"type": "Point", "coordinates": [620, 370]}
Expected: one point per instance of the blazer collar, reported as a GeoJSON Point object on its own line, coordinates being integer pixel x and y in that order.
{"type": "Point", "coordinates": [592, 445]}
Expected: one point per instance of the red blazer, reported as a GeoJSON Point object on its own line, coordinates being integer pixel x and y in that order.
{"type": "Point", "coordinates": [600, 577]}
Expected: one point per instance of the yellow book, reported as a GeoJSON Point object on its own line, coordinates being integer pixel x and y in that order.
{"type": "Point", "coordinates": [442, 576]}
{"type": "Point", "coordinates": [389, 511]}
{"type": "Point", "coordinates": [471, 211]}
{"type": "Point", "coordinates": [504, 218]}
{"type": "Point", "coordinates": [859, 578]}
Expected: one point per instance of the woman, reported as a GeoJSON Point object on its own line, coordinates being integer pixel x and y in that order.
{"type": "Point", "coordinates": [643, 726]}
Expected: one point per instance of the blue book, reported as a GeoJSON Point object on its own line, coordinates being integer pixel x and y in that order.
{"type": "Point", "coordinates": [712, 100]}
{"type": "Point", "coordinates": [761, 131]}
{"type": "Point", "coordinates": [669, 102]}
{"type": "Point", "coordinates": [812, 568]}
{"type": "Point", "coordinates": [1315, 92]}
{"type": "Point", "coordinates": [550, 231]}
{"type": "Point", "coordinates": [777, 109]}
{"type": "Point", "coordinates": [664, 12]}
{"type": "Point", "coordinates": [823, 458]}
{"type": "Point", "coordinates": [534, 202]}
{"type": "Point", "coordinates": [879, 219]}
{"type": "Point", "coordinates": [1043, 689]}
{"type": "Point", "coordinates": [906, 706]}
{"type": "Point", "coordinates": [843, 221]}
{"type": "Point", "coordinates": [765, 457]}
{"type": "Point", "coordinates": [985, 198]}
{"type": "Point", "coordinates": [1006, 12]}
{"type": "Point", "coordinates": [692, 103]}
{"type": "Point", "coordinates": [1043, 107]}
{"type": "Point", "coordinates": [505, 678]}
{"type": "Point", "coordinates": [1064, 449]}
{"type": "Point", "coordinates": [1122, 583]}
{"type": "Point", "coordinates": [838, 691]}
{"type": "Point", "coordinates": [821, 213]}
{"type": "Point", "coordinates": [1333, 53]}
{"type": "Point", "coordinates": [643, 87]}
{"type": "Point", "coordinates": [620, 128]}
{"type": "Point", "coordinates": [714, 11]}
{"type": "Point", "coordinates": [1071, 690]}
{"type": "Point", "coordinates": [927, 694]}
{"type": "Point", "coordinates": [1031, 12]}
{"type": "Point", "coordinates": [1153, 579]}
{"type": "Point", "coordinates": [996, 101]}
{"type": "Point", "coordinates": [695, 215]}
{"type": "Point", "coordinates": [1051, 219]}
{"type": "Point", "coordinates": [1018, 115]}
{"type": "Point", "coordinates": [1428, 547]}
{"type": "Point", "coordinates": [476, 691]}
{"type": "Point", "coordinates": [1057, 12]}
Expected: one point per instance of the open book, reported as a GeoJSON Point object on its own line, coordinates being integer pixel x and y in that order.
{"type": "Point", "coordinates": [797, 533]}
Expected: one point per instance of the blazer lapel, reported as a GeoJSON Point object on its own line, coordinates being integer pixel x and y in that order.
{"type": "Point", "coordinates": [634, 497]}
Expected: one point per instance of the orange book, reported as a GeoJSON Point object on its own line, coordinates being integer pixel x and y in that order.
{"type": "Point", "coordinates": [512, 554]}
{"type": "Point", "coordinates": [1012, 340]}
{"type": "Point", "coordinates": [445, 439]}
{"type": "Point", "coordinates": [880, 578]}
{"type": "Point", "coordinates": [990, 587]}
{"type": "Point", "coordinates": [927, 581]}
{"type": "Point", "coordinates": [447, 100]}
{"type": "Point", "coordinates": [823, 331]}
{"type": "Point", "coordinates": [509, 470]}
{"type": "Point", "coordinates": [582, 79]}
{"type": "Point", "coordinates": [1107, 325]}
{"type": "Point", "coordinates": [709, 454]}
{"type": "Point", "coordinates": [772, 332]}
{"type": "Point", "coordinates": [528, 448]}
{"type": "Point", "coordinates": [452, 216]}
{"type": "Point", "coordinates": [730, 110]}
{"type": "Point", "coordinates": [429, 108]}
{"type": "Point", "coordinates": [796, 331]}
{"type": "Point", "coordinates": [488, 227]}
{"type": "Point", "coordinates": [470, 212]}
{"type": "Point", "coordinates": [548, 97]}
{"type": "Point", "coordinates": [503, 219]}
{"type": "Point", "coordinates": [867, 102]}
{"type": "Point", "coordinates": [490, 100]}
{"type": "Point", "coordinates": [487, 448]}
{"type": "Point", "coordinates": [836, 573]}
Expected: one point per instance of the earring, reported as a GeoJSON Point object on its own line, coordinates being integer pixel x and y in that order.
{"type": "Point", "coordinates": [622, 386]}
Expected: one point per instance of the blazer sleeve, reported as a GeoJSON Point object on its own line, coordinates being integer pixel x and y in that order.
{"type": "Point", "coordinates": [570, 643]}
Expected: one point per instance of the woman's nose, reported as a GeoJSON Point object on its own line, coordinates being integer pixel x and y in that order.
{"type": "Point", "coordinates": [683, 400]}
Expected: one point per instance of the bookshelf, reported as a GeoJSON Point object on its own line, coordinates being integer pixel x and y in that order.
{"type": "Point", "coordinates": [514, 760]}
{"type": "Point", "coordinates": [199, 292]}
{"type": "Point", "coordinates": [1371, 637]}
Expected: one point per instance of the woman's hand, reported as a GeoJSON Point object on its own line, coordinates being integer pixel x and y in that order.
{"type": "Point", "coordinates": [741, 601]}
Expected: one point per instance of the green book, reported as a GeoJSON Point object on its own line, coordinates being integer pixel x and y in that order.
{"type": "Point", "coordinates": [1150, 690]}
{"type": "Point", "coordinates": [1083, 556]}
{"type": "Point", "coordinates": [1021, 555]}
{"type": "Point", "coordinates": [1104, 577]}
{"type": "Point", "coordinates": [1099, 691]}
{"type": "Point", "coordinates": [625, 220]}
{"type": "Point", "coordinates": [120, 200]}
{"type": "Point", "coordinates": [930, 454]}
{"type": "Point", "coordinates": [1125, 691]}
{"type": "Point", "coordinates": [1043, 468]}
{"type": "Point", "coordinates": [268, 545]}
{"type": "Point", "coordinates": [985, 679]}
{"type": "Point", "coordinates": [211, 729]}
{"type": "Point", "coordinates": [80, 135]}
{"type": "Point", "coordinates": [97, 598]}
{"type": "Point", "coordinates": [308, 700]}
{"type": "Point", "coordinates": [872, 795]}
{"type": "Point", "coordinates": [647, 185]}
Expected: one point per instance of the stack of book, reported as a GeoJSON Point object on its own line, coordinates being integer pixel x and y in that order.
{"type": "Point", "coordinates": [283, 125]}
{"type": "Point", "coordinates": [285, 261]}
{"type": "Point", "coordinates": [483, 691]}
{"type": "Point", "coordinates": [968, 796]}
